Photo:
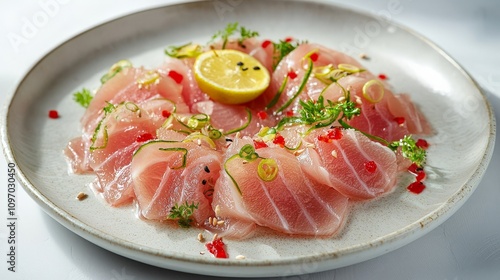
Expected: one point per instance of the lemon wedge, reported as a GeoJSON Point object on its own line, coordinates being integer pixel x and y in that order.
{"type": "Point", "coordinates": [230, 76]}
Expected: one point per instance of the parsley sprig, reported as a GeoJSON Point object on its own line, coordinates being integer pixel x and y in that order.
{"type": "Point", "coordinates": [409, 149]}
{"type": "Point", "coordinates": [83, 97]}
{"type": "Point", "coordinates": [281, 49]}
{"type": "Point", "coordinates": [183, 213]}
{"type": "Point", "coordinates": [230, 30]}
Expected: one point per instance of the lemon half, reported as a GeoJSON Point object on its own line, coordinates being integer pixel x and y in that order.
{"type": "Point", "coordinates": [230, 76]}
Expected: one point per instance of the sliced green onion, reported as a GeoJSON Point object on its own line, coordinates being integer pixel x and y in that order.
{"type": "Point", "coordinates": [370, 87]}
{"type": "Point", "coordinates": [245, 125]}
{"type": "Point", "coordinates": [184, 51]}
{"type": "Point", "coordinates": [96, 134]}
{"type": "Point", "coordinates": [349, 68]}
{"type": "Point", "coordinates": [301, 87]}
{"type": "Point", "coordinates": [198, 136]}
{"type": "Point", "coordinates": [248, 152]}
{"type": "Point", "coordinates": [184, 152]}
{"type": "Point", "coordinates": [278, 94]}
{"type": "Point", "coordinates": [149, 78]}
{"type": "Point", "coordinates": [115, 69]}
{"type": "Point", "coordinates": [267, 169]}
{"type": "Point", "coordinates": [198, 121]}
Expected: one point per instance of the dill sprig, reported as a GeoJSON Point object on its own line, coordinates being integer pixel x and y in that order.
{"type": "Point", "coordinates": [183, 213]}
{"type": "Point", "coordinates": [281, 49]}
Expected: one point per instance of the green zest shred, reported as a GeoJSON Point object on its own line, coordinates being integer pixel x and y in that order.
{"type": "Point", "coordinates": [184, 152]}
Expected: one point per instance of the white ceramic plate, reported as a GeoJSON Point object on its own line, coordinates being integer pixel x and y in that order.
{"type": "Point", "coordinates": [461, 147]}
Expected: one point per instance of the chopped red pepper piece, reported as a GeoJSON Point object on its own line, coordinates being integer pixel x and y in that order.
{"type": "Point", "coordinates": [53, 114]}
{"type": "Point", "coordinates": [165, 113]}
{"type": "Point", "coordinates": [279, 140]}
{"type": "Point", "coordinates": [371, 166]}
{"type": "Point", "coordinates": [289, 113]}
{"type": "Point", "coordinates": [292, 75]}
{"type": "Point", "coordinates": [421, 143]}
{"type": "Point", "coordinates": [416, 187]}
{"type": "Point", "coordinates": [144, 137]}
{"type": "Point", "coordinates": [175, 76]}
{"type": "Point", "coordinates": [288, 39]}
{"type": "Point", "coordinates": [259, 144]}
{"type": "Point", "coordinates": [216, 248]}
{"type": "Point", "coordinates": [314, 56]}
{"type": "Point", "coordinates": [399, 120]}
{"type": "Point", "coordinates": [382, 76]}
{"type": "Point", "coordinates": [262, 115]}
{"type": "Point", "coordinates": [266, 43]}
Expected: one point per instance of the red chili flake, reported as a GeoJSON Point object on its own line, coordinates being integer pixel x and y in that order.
{"type": "Point", "coordinates": [314, 56]}
{"type": "Point", "coordinates": [421, 143]}
{"type": "Point", "coordinates": [416, 187]}
{"type": "Point", "coordinates": [279, 140]}
{"type": "Point", "coordinates": [288, 39]}
{"type": "Point", "coordinates": [371, 166]}
{"type": "Point", "coordinates": [165, 113]}
{"type": "Point", "coordinates": [216, 248]}
{"type": "Point", "coordinates": [289, 113]}
{"type": "Point", "coordinates": [175, 76]}
{"type": "Point", "coordinates": [266, 43]}
{"type": "Point", "coordinates": [382, 76]}
{"type": "Point", "coordinates": [144, 137]}
{"type": "Point", "coordinates": [53, 114]}
{"type": "Point", "coordinates": [262, 115]}
{"type": "Point", "coordinates": [420, 176]}
{"type": "Point", "coordinates": [259, 144]}
{"type": "Point", "coordinates": [292, 75]}
{"type": "Point", "coordinates": [399, 120]}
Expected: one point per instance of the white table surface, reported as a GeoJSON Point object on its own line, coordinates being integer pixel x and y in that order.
{"type": "Point", "coordinates": [467, 246]}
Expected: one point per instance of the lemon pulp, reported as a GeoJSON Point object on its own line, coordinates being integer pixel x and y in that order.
{"type": "Point", "coordinates": [230, 76]}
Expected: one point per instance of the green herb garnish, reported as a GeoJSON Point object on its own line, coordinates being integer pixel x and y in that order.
{"type": "Point", "coordinates": [185, 51]}
{"type": "Point", "coordinates": [183, 213]}
{"type": "Point", "coordinates": [83, 97]}
{"type": "Point", "coordinates": [409, 149]}
{"type": "Point", "coordinates": [282, 49]}
{"type": "Point", "coordinates": [230, 30]}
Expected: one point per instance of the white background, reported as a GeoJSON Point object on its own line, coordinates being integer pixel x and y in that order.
{"type": "Point", "coordinates": [467, 246]}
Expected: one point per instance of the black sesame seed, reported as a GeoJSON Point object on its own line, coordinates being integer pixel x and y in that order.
{"type": "Point", "coordinates": [204, 182]}
{"type": "Point", "coordinates": [229, 140]}
{"type": "Point", "coordinates": [240, 63]}
{"type": "Point", "coordinates": [256, 68]}
{"type": "Point", "coordinates": [244, 68]}
{"type": "Point", "coordinates": [206, 169]}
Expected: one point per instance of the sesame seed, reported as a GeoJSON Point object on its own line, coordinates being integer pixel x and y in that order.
{"type": "Point", "coordinates": [342, 98]}
{"type": "Point", "coordinates": [229, 140]}
{"type": "Point", "coordinates": [358, 100]}
{"type": "Point", "coordinates": [214, 221]}
{"type": "Point", "coordinates": [240, 257]}
{"type": "Point", "coordinates": [198, 142]}
{"type": "Point", "coordinates": [238, 135]}
{"type": "Point", "coordinates": [217, 210]}
{"type": "Point", "coordinates": [200, 237]}
{"type": "Point", "coordinates": [309, 145]}
{"type": "Point", "coordinates": [298, 152]}
{"type": "Point", "coordinates": [220, 222]}
{"type": "Point", "coordinates": [81, 196]}
{"type": "Point", "coordinates": [202, 253]}
{"type": "Point", "coordinates": [334, 153]}
{"type": "Point", "coordinates": [215, 237]}
{"type": "Point", "coordinates": [210, 220]}
{"type": "Point", "coordinates": [244, 68]}
{"type": "Point", "coordinates": [363, 56]}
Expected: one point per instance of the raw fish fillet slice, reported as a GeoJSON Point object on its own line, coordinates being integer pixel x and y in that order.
{"type": "Point", "coordinates": [124, 87]}
{"type": "Point", "coordinates": [232, 117]}
{"type": "Point", "coordinates": [191, 93]}
{"type": "Point", "coordinates": [292, 203]}
{"type": "Point", "coordinates": [347, 164]}
{"type": "Point", "coordinates": [77, 155]}
{"type": "Point", "coordinates": [166, 173]}
{"type": "Point", "coordinates": [297, 62]}
{"type": "Point", "coordinates": [119, 136]}
{"type": "Point", "coordinates": [380, 118]}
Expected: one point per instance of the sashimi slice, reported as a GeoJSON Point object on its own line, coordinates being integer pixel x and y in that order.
{"type": "Point", "coordinates": [291, 203]}
{"type": "Point", "coordinates": [354, 165]}
{"type": "Point", "coordinates": [166, 173]}
{"type": "Point", "coordinates": [120, 133]}
{"type": "Point", "coordinates": [77, 155]}
{"type": "Point", "coordinates": [125, 86]}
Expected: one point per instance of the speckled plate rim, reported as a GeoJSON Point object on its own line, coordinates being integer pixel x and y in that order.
{"type": "Point", "coordinates": [258, 268]}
